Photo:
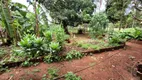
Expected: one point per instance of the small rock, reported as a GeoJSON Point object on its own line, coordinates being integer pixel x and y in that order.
{"type": "Point", "coordinates": [17, 72]}
{"type": "Point", "coordinates": [132, 57]}
{"type": "Point", "coordinates": [113, 66]}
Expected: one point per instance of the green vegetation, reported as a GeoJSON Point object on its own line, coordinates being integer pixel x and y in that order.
{"type": "Point", "coordinates": [132, 33]}
{"type": "Point", "coordinates": [71, 76]}
{"type": "Point", "coordinates": [26, 64]}
{"type": "Point", "coordinates": [52, 73]}
{"type": "Point", "coordinates": [2, 53]}
{"type": "Point", "coordinates": [27, 35]}
{"type": "Point", "coordinates": [89, 46]}
{"type": "Point", "coordinates": [52, 58]}
{"type": "Point", "coordinates": [73, 54]}
{"type": "Point", "coordinates": [98, 25]}
{"type": "Point", "coordinates": [66, 14]}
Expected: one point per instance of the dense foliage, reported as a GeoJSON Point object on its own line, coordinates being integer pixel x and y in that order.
{"type": "Point", "coordinates": [51, 42]}
{"type": "Point", "coordinates": [98, 24]}
{"type": "Point", "coordinates": [69, 12]}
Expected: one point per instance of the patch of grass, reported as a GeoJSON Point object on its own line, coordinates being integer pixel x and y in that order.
{"type": "Point", "coordinates": [89, 46]}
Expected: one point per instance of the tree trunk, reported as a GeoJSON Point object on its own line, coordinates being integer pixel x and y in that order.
{"type": "Point", "coordinates": [10, 36]}
{"type": "Point", "coordinates": [64, 23]}
{"type": "Point", "coordinates": [36, 17]}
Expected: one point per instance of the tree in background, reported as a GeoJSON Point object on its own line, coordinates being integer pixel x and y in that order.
{"type": "Point", "coordinates": [138, 7]}
{"type": "Point", "coordinates": [116, 10]}
{"type": "Point", "coordinates": [69, 12]}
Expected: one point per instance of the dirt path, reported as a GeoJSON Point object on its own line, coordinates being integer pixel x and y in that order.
{"type": "Point", "coordinates": [113, 65]}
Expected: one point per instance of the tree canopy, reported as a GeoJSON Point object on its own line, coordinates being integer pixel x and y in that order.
{"type": "Point", "coordinates": [69, 12]}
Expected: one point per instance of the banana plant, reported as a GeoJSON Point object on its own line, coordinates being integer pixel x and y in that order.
{"type": "Point", "coordinates": [7, 20]}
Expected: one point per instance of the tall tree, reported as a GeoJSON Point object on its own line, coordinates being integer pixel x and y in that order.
{"type": "Point", "coordinates": [68, 12]}
{"type": "Point", "coordinates": [36, 17]}
{"type": "Point", "coordinates": [116, 9]}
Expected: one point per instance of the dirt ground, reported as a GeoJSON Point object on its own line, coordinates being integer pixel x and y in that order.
{"type": "Point", "coordinates": [113, 65]}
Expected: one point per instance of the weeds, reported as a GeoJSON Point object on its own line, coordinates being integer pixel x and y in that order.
{"type": "Point", "coordinates": [71, 76]}
{"type": "Point", "coordinates": [74, 55]}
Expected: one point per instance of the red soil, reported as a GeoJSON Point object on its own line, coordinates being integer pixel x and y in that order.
{"type": "Point", "coordinates": [113, 65]}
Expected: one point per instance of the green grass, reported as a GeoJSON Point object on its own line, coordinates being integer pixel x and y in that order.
{"type": "Point", "coordinates": [89, 46]}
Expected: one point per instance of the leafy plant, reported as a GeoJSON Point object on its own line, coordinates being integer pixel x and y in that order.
{"type": "Point", "coordinates": [54, 47]}
{"type": "Point", "coordinates": [71, 76]}
{"type": "Point", "coordinates": [31, 45]}
{"type": "Point", "coordinates": [137, 34]}
{"type": "Point", "coordinates": [54, 38]}
{"type": "Point", "coordinates": [26, 64]}
{"type": "Point", "coordinates": [115, 38]}
{"type": "Point", "coordinates": [98, 25]}
{"type": "Point", "coordinates": [2, 53]}
{"type": "Point", "coordinates": [60, 35]}
{"type": "Point", "coordinates": [48, 36]}
{"type": "Point", "coordinates": [74, 55]}
{"type": "Point", "coordinates": [52, 72]}
{"type": "Point", "coordinates": [131, 33]}
{"type": "Point", "coordinates": [89, 46]}
{"type": "Point", "coordinates": [3, 69]}
{"type": "Point", "coordinates": [51, 58]}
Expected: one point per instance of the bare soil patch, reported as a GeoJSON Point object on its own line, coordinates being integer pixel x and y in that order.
{"type": "Point", "coordinates": [113, 65]}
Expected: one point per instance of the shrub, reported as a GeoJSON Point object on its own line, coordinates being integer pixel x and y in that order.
{"type": "Point", "coordinates": [51, 58]}
{"type": "Point", "coordinates": [131, 33]}
{"type": "Point", "coordinates": [54, 47]}
{"type": "Point", "coordinates": [74, 55]}
{"type": "Point", "coordinates": [51, 43]}
{"type": "Point", "coordinates": [60, 36]}
{"type": "Point", "coordinates": [55, 34]}
{"type": "Point", "coordinates": [26, 64]}
{"type": "Point", "coordinates": [115, 38]}
{"type": "Point", "coordinates": [98, 24]}
{"type": "Point", "coordinates": [31, 45]}
{"type": "Point", "coordinates": [48, 36]}
{"type": "Point", "coordinates": [137, 34]}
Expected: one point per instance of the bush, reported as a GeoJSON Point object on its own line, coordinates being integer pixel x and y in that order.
{"type": "Point", "coordinates": [98, 24]}
{"type": "Point", "coordinates": [56, 34]}
{"type": "Point", "coordinates": [51, 42]}
{"type": "Point", "coordinates": [31, 45]}
{"type": "Point", "coordinates": [137, 34]}
{"type": "Point", "coordinates": [116, 38]}
{"type": "Point", "coordinates": [51, 58]}
{"type": "Point", "coordinates": [131, 33]}
{"type": "Point", "coordinates": [73, 55]}
{"type": "Point", "coordinates": [60, 36]}
{"type": "Point", "coordinates": [54, 47]}
{"type": "Point", "coordinates": [48, 36]}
